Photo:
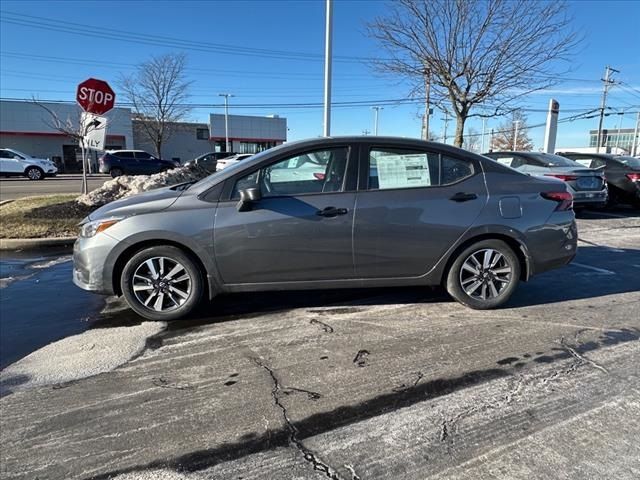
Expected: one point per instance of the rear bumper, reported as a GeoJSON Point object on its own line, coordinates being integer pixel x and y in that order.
{"type": "Point", "coordinates": [554, 246]}
{"type": "Point", "coordinates": [590, 198]}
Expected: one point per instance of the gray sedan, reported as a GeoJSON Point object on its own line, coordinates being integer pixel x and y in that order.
{"type": "Point", "coordinates": [379, 212]}
{"type": "Point", "coordinates": [587, 185]}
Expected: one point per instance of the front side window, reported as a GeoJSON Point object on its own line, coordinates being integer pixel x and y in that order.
{"type": "Point", "coordinates": [320, 171]}
{"type": "Point", "coordinates": [143, 156]}
{"type": "Point", "coordinates": [391, 168]}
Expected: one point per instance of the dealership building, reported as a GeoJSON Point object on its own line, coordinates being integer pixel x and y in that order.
{"type": "Point", "coordinates": [30, 128]}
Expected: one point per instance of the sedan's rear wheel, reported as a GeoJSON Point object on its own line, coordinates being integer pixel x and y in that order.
{"type": "Point", "coordinates": [116, 172]}
{"type": "Point", "coordinates": [484, 275]}
{"type": "Point", "coordinates": [162, 283]}
{"type": "Point", "coordinates": [34, 173]}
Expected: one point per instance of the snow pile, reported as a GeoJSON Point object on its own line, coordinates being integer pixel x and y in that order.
{"type": "Point", "coordinates": [80, 356]}
{"type": "Point", "coordinates": [158, 475]}
{"type": "Point", "coordinates": [127, 185]}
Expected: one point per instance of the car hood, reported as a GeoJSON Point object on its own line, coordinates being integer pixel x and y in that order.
{"type": "Point", "coordinates": [147, 202]}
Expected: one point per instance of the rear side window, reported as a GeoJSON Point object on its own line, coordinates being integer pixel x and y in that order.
{"type": "Point", "coordinates": [123, 154]}
{"type": "Point", "coordinates": [143, 156]}
{"type": "Point", "coordinates": [391, 168]}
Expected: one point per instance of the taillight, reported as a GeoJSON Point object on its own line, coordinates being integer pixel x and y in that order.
{"type": "Point", "coordinates": [634, 177]}
{"type": "Point", "coordinates": [319, 176]}
{"type": "Point", "coordinates": [564, 178]}
{"type": "Point", "coordinates": [564, 199]}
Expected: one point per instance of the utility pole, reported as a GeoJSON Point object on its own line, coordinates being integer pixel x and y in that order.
{"type": "Point", "coordinates": [427, 106]}
{"type": "Point", "coordinates": [446, 122]}
{"type": "Point", "coordinates": [327, 67]}
{"type": "Point", "coordinates": [636, 140]}
{"type": "Point", "coordinates": [607, 83]}
{"type": "Point", "coordinates": [515, 135]}
{"type": "Point", "coordinates": [226, 119]}
{"type": "Point", "coordinates": [375, 121]}
{"type": "Point", "coordinates": [484, 127]}
{"type": "Point", "coordinates": [491, 141]}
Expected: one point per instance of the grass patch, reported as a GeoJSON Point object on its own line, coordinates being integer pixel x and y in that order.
{"type": "Point", "coordinates": [39, 217]}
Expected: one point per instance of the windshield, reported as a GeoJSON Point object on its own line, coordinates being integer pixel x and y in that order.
{"type": "Point", "coordinates": [555, 160]}
{"type": "Point", "coordinates": [629, 161]}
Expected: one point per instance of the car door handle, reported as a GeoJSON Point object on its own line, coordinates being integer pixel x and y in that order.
{"type": "Point", "coordinates": [463, 197]}
{"type": "Point", "coordinates": [331, 212]}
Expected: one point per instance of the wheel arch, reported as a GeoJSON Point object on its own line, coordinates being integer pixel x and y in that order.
{"type": "Point", "coordinates": [124, 256]}
{"type": "Point", "coordinates": [518, 247]}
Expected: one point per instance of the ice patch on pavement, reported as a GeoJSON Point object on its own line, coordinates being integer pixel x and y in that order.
{"type": "Point", "coordinates": [79, 356]}
{"type": "Point", "coordinates": [51, 263]}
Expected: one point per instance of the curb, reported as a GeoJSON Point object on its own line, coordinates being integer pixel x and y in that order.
{"type": "Point", "coordinates": [31, 243]}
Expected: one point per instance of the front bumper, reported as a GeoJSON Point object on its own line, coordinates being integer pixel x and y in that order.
{"type": "Point", "coordinates": [89, 258]}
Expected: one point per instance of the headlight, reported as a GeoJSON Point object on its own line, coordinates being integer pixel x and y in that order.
{"type": "Point", "coordinates": [90, 229]}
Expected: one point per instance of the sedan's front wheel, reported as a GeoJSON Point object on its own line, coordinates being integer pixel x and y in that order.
{"type": "Point", "coordinates": [484, 275]}
{"type": "Point", "coordinates": [162, 283]}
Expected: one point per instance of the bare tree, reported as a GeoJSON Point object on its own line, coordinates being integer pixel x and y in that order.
{"type": "Point", "coordinates": [158, 91]}
{"type": "Point", "coordinates": [505, 137]}
{"type": "Point", "coordinates": [475, 53]}
{"type": "Point", "coordinates": [77, 129]}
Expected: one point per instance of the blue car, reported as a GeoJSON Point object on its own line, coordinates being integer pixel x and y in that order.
{"type": "Point", "coordinates": [133, 162]}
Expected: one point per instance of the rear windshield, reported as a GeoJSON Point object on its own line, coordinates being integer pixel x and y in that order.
{"type": "Point", "coordinates": [554, 160]}
{"type": "Point", "coordinates": [629, 161]}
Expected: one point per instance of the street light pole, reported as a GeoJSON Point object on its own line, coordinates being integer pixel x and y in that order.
{"type": "Point", "coordinates": [226, 118]}
{"type": "Point", "coordinates": [636, 140]}
{"type": "Point", "coordinates": [375, 122]}
{"type": "Point", "coordinates": [327, 67]}
{"type": "Point", "coordinates": [515, 135]}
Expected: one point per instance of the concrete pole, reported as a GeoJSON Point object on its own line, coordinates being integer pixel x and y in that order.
{"type": "Point", "coordinates": [636, 140]}
{"type": "Point", "coordinates": [226, 118]}
{"type": "Point", "coordinates": [446, 122]}
{"type": "Point", "coordinates": [327, 68]}
{"type": "Point", "coordinates": [376, 111]}
{"type": "Point", "coordinates": [515, 135]}
{"type": "Point", "coordinates": [484, 128]}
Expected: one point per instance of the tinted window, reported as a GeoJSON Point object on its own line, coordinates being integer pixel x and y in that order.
{"type": "Point", "coordinates": [629, 161]}
{"type": "Point", "coordinates": [5, 154]}
{"type": "Point", "coordinates": [123, 154]}
{"type": "Point", "coordinates": [143, 156]}
{"type": "Point", "coordinates": [311, 172]}
{"type": "Point", "coordinates": [391, 168]}
{"type": "Point", "coordinates": [549, 160]}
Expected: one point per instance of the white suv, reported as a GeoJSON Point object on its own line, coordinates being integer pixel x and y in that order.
{"type": "Point", "coordinates": [15, 163]}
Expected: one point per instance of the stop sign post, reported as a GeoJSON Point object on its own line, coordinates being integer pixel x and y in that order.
{"type": "Point", "coordinates": [95, 96]}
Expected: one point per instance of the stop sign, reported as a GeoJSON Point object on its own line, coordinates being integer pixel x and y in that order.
{"type": "Point", "coordinates": [95, 96]}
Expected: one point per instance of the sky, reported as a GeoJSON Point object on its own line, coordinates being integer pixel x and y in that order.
{"type": "Point", "coordinates": [272, 53]}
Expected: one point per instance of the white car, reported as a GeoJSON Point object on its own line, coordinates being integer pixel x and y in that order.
{"type": "Point", "coordinates": [225, 162]}
{"type": "Point", "coordinates": [15, 163]}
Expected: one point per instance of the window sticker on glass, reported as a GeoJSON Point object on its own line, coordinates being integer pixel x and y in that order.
{"type": "Point", "coordinates": [401, 171]}
{"type": "Point", "coordinates": [505, 161]}
{"type": "Point", "coordinates": [584, 162]}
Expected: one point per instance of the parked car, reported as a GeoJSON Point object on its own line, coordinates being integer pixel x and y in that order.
{"type": "Point", "coordinates": [209, 160]}
{"type": "Point", "coordinates": [622, 173]}
{"type": "Point", "coordinates": [133, 162]}
{"type": "Point", "coordinates": [386, 212]}
{"type": "Point", "coordinates": [588, 186]}
{"type": "Point", "coordinates": [225, 162]}
{"type": "Point", "coordinates": [15, 163]}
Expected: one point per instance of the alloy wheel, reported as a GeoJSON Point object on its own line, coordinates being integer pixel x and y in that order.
{"type": "Point", "coordinates": [485, 274]}
{"type": "Point", "coordinates": [34, 174]}
{"type": "Point", "coordinates": [161, 284]}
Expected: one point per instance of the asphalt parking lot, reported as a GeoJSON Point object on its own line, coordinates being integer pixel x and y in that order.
{"type": "Point", "coordinates": [365, 384]}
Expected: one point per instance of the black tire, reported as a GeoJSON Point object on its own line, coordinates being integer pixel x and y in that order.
{"type": "Point", "coordinates": [34, 173]}
{"type": "Point", "coordinates": [163, 285]}
{"type": "Point", "coordinates": [116, 172]}
{"type": "Point", "coordinates": [504, 283]}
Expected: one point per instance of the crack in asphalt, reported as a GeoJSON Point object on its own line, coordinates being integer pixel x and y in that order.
{"type": "Point", "coordinates": [308, 455]}
{"type": "Point", "coordinates": [325, 326]}
{"type": "Point", "coordinates": [580, 357]}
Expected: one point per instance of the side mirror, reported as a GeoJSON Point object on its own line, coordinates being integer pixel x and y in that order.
{"type": "Point", "coordinates": [248, 196]}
